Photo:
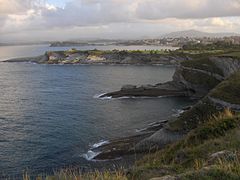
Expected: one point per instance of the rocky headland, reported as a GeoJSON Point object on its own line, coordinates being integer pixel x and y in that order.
{"type": "Point", "coordinates": [192, 78]}
{"type": "Point", "coordinates": [73, 56]}
{"type": "Point", "coordinates": [213, 81]}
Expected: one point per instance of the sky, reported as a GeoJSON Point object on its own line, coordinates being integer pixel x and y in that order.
{"type": "Point", "coordinates": [50, 20]}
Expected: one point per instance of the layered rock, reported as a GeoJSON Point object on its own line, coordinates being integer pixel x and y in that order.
{"type": "Point", "coordinates": [224, 95]}
{"type": "Point", "coordinates": [188, 80]}
{"type": "Point", "coordinates": [158, 90]}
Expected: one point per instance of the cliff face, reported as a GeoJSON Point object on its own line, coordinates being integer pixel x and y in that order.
{"type": "Point", "coordinates": [202, 76]}
{"type": "Point", "coordinates": [216, 96]}
{"type": "Point", "coordinates": [193, 78]}
{"type": "Point", "coordinates": [228, 65]}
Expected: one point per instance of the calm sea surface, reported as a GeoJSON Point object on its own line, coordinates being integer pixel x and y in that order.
{"type": "Point", "coordinates": [49, 117]}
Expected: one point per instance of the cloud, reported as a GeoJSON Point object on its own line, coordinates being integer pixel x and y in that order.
{"type": "Point", "coordinates": [190, 9]}
{"type": "Point", "coordinates": [17, 6]}
{"type": "Point", "coordinates": [119, 16]}
{"type": "Point", "coordinates": [89, 12]}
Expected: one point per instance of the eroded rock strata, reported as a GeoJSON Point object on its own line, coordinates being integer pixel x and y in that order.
{"type": "Point", "coordinates": [213, 93]}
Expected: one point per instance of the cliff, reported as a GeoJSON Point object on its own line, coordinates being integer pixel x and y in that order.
{"type": "Point", "coordinates": [203, 79]}
{"type": "Point", "coordinates": [203, 142]}
{"type": "Point", "coordinates": [215, 81]}
{"type": "Point", "coordinates": [193, 78]}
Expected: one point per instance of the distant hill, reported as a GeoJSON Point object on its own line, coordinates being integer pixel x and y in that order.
{"type": "Point", "coordinates": [197, 34]}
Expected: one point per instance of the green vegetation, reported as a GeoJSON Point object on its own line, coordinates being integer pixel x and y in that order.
{"type": "Point", "coordinates": [228, 90]}
{"type": "Point", "coordinates": [73, 174]}
{"type": "Point", "coordinates": [219, 45]}
{"type": "Point", "coordinates": [214, 49]}
{"type": "Point", "coordinates": [200, 79]}
{"type": "Point", "coordinates": [188, 157]}
{"type": "Point", "coordinates": [234, 54]}
{"type": "Point", "coordinates": [198, 114]}
{"type": "Point", "coordinates": [203, 64]}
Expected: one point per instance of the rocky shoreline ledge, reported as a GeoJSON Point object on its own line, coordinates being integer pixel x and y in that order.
{"type": "Point", "coordinates": [205, 80]}
{"type": "Point", "coordinates": [117, 148]}
{"type": "Point", "coordinates": [159, 90]}
{"type": "Point", "coordinates": [73, 56]}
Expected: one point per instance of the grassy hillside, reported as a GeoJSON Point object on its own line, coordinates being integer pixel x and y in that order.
{"type": "Point", "coordinates": [190, 157]}
{"type": "Point", "coordinates": [200, 79]}
{"type": "Point", "coordinates": [228, 90]}
{"type": "Point", "coordinates": [203, 64]}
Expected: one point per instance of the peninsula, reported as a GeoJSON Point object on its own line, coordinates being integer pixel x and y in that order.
{"type": "Point", "coordinates": [73, 56]}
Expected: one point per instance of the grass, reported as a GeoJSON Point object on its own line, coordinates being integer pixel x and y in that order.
{"type": "Point", "coordinates": [228, 90]}
{"type": "Point", "coordinates": [187, 157]}
{"type": "Point", "coordinates": [69, 174]}
{"type": "Point", "coordinates": [198, 114]}
{"type": "Point", "coordinates": [203, 64]}
{"type": "Point", "coordinates": [234, 54]}
{"type": "Point", "coordinates": [200, 79]}
{"type": "Point", "coordinates": [210, 174]}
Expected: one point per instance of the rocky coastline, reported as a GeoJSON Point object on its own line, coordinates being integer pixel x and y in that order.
{"type": "Point", "coordinates": [73, 56]}
{"type": "Point", "coordinates": [116, 148]}
{"type": "Point", "coordinates": [206, 79]}
{"type": "Point", "coordinates": [197, 84]}
{"type": "Point", "coordinates": [159, 90]}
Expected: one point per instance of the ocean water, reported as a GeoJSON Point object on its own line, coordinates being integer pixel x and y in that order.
{"type": "Point", "coordinates": [49, 117]}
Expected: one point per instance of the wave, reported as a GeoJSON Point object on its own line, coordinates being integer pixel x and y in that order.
{"type": "Point", "coordinates": [141, 130]}
{"type": "Point", "coordinates": [98, 96]}
{"type": "Point", "coordinates": [99, 144]}
{"type": "Point", "coordinates": [178, 112]}
{"type": "Point", "coordinates": [90, 155]}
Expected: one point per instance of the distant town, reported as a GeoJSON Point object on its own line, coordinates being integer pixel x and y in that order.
{"type": "Point", "coordinates": [174, 39]}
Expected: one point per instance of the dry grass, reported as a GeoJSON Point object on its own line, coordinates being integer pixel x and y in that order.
{"type": "Point", "coordinates": [73, 174]}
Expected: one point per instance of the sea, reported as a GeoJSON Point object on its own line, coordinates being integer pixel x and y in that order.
{"type": "Point", "coordinates": [51, 116]}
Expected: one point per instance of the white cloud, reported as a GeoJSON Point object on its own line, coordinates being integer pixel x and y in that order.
{"type": "Point", "coordinates": [18, 6]}
{"type": "Point", "coordinates": [139, 16]}
{"type": "Point", "coordinates": [153, 9]}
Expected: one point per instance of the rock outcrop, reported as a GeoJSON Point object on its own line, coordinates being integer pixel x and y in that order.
{"type": "Point", "coordinates": [188, 80]}
{"type": "Point", "coordinates": [158, 90]}
{"type": "Point", "coordinates": [228, 65]}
